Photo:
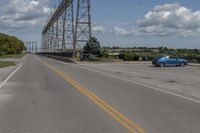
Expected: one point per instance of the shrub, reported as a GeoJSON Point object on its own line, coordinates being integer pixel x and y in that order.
{"type": "Point", "coordinates": [128, 57]}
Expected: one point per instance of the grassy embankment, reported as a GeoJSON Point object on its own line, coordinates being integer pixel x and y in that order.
{"type": "Point", "coordinates": [6, 64]}
{"type": "Point", "coordinates": [13, 56]}
{"type": "Point", "coordinates": [10, 63]}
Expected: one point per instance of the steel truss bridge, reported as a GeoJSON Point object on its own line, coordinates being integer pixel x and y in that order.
{"type": "Point", "coordinates": [68, 29]}
{"type": "Point", "coordinates": [31, 47]}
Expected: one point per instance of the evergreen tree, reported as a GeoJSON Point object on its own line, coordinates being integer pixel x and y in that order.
{"type": "Point", "coordinates": [93, 47]}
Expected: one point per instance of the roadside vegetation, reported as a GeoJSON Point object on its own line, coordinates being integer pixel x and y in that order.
{"type": "Point", "coordinates": [94, 52]}
{"type": "Point", "coordinates": [92, 49]}
{"type": "Point", "coordinates": [6, 64]}
{"type": "Point", "coordinates": [147, 54]}
{"type": "Point", "coordinates": [13, 56]}
{"type": "Point", "coordinates": [10, 45]}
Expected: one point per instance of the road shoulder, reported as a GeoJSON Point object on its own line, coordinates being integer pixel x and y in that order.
{"type": "Point", "coordinates": [5, 72]}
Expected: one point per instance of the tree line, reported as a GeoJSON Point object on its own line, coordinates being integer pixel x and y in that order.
{"type": "Point", "coordinates": [93, 47]}
{"type": "Point", "coordinates": [10, 45]}
{"type": "Point", "coordinates": [146, 53]}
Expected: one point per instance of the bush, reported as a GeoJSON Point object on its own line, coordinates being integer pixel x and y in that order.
{"type": "Point", "coordinates": [136, 58]}
{"type": "Point", "coordinates": [128, 57]}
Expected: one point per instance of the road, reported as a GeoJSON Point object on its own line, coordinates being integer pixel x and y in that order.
{"type": "Point", "coordinates": [47, 96]}
{"type": "Point", "coordinates": [181, 80]}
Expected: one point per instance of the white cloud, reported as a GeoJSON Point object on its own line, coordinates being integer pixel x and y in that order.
{"type": "Point", "coordinates": [171, 19]}
{"type": "Point", "coordinates": [98, 29]}
{"type": "Point", "coordinates": [163, 20]}
{"type": "Point", "coordinates": [23, 13]}
{"type": "Point", "coordinates": [121, 31]}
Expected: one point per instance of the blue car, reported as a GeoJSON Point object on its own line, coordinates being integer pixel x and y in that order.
{"type": "Point", "coordinates": [163, 61]}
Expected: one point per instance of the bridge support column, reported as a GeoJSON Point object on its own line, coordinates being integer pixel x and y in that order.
{"type": "Point", "coordinates": [83, 30]}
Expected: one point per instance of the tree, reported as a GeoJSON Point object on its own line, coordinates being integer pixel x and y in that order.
{"type": "Point", "coordinates": [104, 52]}
{"type": "Point", "coordinates": [10, 45]}
{"type": "Point", "coordinates": [93, 47]}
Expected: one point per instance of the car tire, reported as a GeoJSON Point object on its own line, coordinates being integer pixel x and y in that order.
{"type": "Point", "coordinates": [182, 64]}
{"type": "Point", "coordinates": [162, 64]}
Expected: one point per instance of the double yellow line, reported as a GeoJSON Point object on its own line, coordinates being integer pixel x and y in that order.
{"type": "Point", "coordinates": [130, 125]}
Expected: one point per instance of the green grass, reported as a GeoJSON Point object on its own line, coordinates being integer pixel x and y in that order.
{"type": "Point", "coordinates": [6, 64]}
{"type": "Point", "coordinates": [13, 56]}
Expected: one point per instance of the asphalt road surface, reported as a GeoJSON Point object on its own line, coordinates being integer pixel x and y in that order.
{"type": "Point", "coordinates": [47, 96]}
{"type": "Point", "coordinates": [181, 80]}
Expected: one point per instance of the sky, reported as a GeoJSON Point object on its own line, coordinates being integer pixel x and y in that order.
{"type": "Point", "coordinates": [125, 23]}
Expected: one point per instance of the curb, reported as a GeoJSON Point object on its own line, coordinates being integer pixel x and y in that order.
{"type": "Point", "coordinates": [194, 65]}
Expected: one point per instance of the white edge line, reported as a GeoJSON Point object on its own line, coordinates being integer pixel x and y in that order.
{"type": "Point", "coordinates": [131, 81]}
{"type": "Point", "coordinates": [24, 57]}
{"type": "Point", "coordinates": [5, 81]}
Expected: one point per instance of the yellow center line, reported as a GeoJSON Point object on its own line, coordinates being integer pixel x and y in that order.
{"type": "Point", "coordinates": [127, 123]}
